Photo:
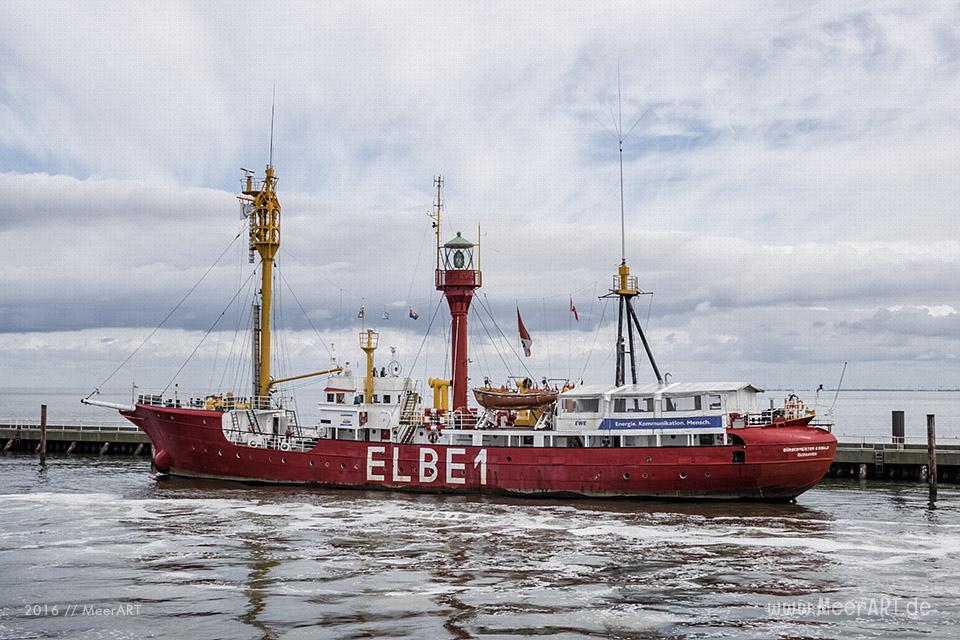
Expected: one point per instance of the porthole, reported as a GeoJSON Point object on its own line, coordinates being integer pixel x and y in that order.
{"type": "Point", "coordinates": [204, 450]}
{"type": "Point", "coordinates": [649, 459]}
{"type": "Point", "coordinates": [270, 459]}
{"type": "Point", "coordinates": [342, 466]}
{"type": "Point", "coordinates": [626, 476]}
{"type": "Point", "coordinates": [311, 463]}
{"type": "Point", "coordinates": [283, 460]}
{"type": "Point", "coordinates": [238, 455]}
{"type": "Point", "coordinates": [706, 474]}
{"type": "Point", "coordinates": [220, 453]}
{"type": "Point", "coordinates": [683, 475]}
{"type": "Point", "coordinates": [356, 467]}
{"type": "Point", "coordinates": [204, 421]}
{"type": "Point", "coordinates": [643, 475]}
{"type": "Point", "coordinates": [326, 465]}
{"type": "Point", "coordinates": [509, 459]}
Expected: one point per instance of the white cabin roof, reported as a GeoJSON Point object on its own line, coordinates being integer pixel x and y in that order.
{"type": "Point", "coordinates": [688, 388]}
{"type": "Point", "coordinates": [588, 390]}
{"type": "Point", "coordinates": [672, 389]}
{"type": "Point", "coordinates": [634, 390]}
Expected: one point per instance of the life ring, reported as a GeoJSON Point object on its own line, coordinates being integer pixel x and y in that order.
{"type": "Point", "coordinates": [434, 436]}
{"type": "Point", "coordinates": [284, 445]}
{"type": "Point", "coordinates": [255, 441]}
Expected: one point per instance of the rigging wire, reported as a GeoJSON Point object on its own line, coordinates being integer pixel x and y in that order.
{"type": "Point", "coordinates": [305, 315]}
{"type": "Point", "coordinates": [839, 384]}
{"type": "Point", "coordinates": [170, 313]}
{"type": "Point", "coordinates": [207, 333]}
{"type": "Point", "coordinates": [603, 313]}
{"type": "Point", "coordinates": [245, 356]}
{"type": "Point", "coordinates": [413, 276]}
{"type": "Point", "coordinates": [427, 333]}
{"type": "Point", "coordinates": [546, 341]}
{"type": "Point", "coordinates": [236, 333]}
{"type": "Point", "coordinates": [483, 304]}
{"type": "Point", "coordinates": [493, 342]}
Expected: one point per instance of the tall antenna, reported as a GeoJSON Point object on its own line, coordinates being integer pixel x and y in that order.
{"type": "Point", "coordinates": [273, 107]}
{"type": "Point", "coordinates": [623, 233]}
{"type": "Point", "coordinates": [625, 286]}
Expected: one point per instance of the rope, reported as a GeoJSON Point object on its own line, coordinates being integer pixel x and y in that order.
{"type": "Point", "coordinates": [236, 335]}
{"type": "Point", "coordinates": [304, 311]}
{"type": "Point", "coordinates": [483, 303]}
{"type": "Point", "coordinates": [546, 342]}
{"type": "Point", "coordinates": [207, 333]}
{"type": "Point", "coordinates": [432, 317]}
{"type": "Point", "coordinates": [413, 276]}
{"type": "Point", "coordinates": [603, 313]}
{"type": "Point", "coordinates": [493, 342]}
{"type": "Point", "coordinates": [171, 312]}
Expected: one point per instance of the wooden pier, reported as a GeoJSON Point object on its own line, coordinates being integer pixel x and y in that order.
{"type": "Point", "coordinates": [75, 439]}
{"type": "Point", "coordinates": [894, 461]}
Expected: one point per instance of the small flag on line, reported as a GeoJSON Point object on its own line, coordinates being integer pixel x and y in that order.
{"type": "Point", "coordinates": [525, 338]}
{"type": "Point", "coordinates": [573, 310]}
{"type": "Point", "coordinates": [413, 314]}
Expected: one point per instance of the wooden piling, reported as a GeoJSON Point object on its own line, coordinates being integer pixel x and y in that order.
{"type": "Point", "coordinates": [932, 453]}
{"type": "Point", "coordinates": [898, 427]}
{"type": "Point", "coordinates": [43, 434]}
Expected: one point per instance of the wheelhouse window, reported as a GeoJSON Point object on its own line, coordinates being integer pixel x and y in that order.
{"type": "Point", "coordinates": [386, 399]}
{"type": "Point", "coordinates": [714, 403]}
{"type": "Point", "coordinates": [633, 405]}
{"type": "Point", "coordinates": [682, 403]}
{"type": "Point", "coordinates": [581, 405]}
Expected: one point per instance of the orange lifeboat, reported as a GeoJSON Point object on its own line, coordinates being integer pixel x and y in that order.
{"type": "Point", "coordinates": [534, 398]}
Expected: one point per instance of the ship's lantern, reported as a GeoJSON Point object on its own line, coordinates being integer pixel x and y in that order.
{"type": "Point", "coordinates": [458, 254]}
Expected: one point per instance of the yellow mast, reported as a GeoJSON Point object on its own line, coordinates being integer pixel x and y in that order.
{"type": "Point", "coordinates": [265, 238]}
{"type": "Point", "coordinates": [368, 342]}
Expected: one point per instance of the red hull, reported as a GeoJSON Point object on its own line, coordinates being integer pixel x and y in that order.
{"type": "Point", "coordinates": [779, 463]}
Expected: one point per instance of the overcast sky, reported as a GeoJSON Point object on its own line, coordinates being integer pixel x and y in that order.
{"type": "Point", "coordinates": [791, 185]}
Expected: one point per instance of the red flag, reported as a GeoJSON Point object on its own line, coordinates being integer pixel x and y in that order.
{"type": "Point", "coordinates": [525, 338]}
{"type": "Point", "coordinates": [573, 310]}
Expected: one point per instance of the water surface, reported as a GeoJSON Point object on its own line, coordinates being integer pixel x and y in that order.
{"type": "Point", "coordinates": [216, 560]}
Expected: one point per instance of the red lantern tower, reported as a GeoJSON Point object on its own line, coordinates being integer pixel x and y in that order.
{"type": "Point", "coordinates": [457, 275]}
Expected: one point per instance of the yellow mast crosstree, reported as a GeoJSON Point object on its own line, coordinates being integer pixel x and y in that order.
{"type": "Point", "coordinates": [264, 216]}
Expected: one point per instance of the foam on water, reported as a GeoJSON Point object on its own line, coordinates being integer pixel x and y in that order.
{"type": "Point", "coordinates": [243, 559]}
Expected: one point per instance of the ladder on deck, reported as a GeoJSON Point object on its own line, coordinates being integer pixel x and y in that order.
{"type": "Point", "coordinates": [252, 417]}
{"type": "Point", "coordinates": [409, 411]}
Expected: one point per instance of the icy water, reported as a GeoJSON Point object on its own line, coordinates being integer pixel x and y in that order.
{"type": "Point", "coordinates": [99, 548]}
